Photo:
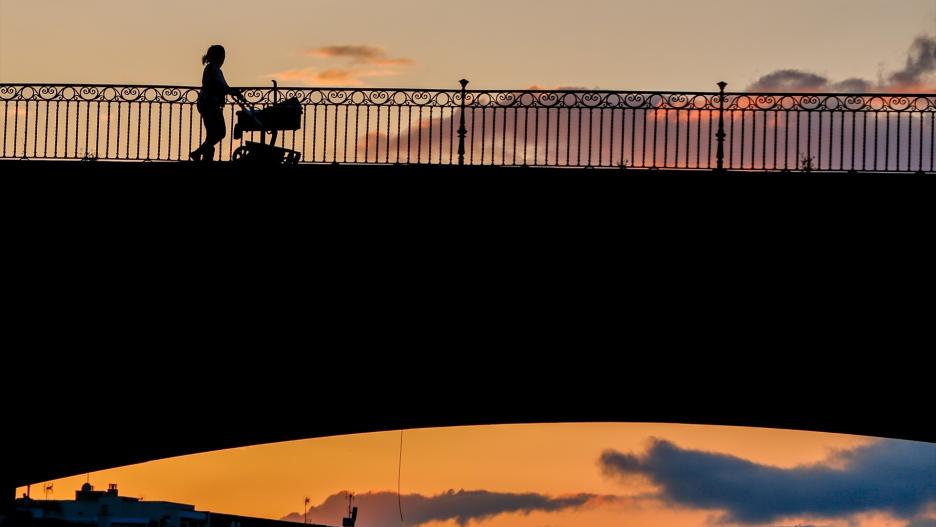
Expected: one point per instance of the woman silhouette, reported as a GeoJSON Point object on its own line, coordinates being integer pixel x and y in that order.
{"type": "Point", "coordinates": [211, 102]}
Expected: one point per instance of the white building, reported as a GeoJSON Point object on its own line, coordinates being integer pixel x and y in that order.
{"type": "Point", "coordinates": [108, 509]}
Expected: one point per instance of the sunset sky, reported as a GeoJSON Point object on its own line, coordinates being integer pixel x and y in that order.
{"type": "Point", "coordinates": [661, 45]}
{"type": "Point", "coordinates": [564, 475]}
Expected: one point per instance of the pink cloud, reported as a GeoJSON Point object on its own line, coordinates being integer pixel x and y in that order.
{"type": "Point", "coordinates": [359, 54]}
{"type": "Point", "coordinates": [316, 77]}
{"type": "Point", "coordinates": [360, 62]}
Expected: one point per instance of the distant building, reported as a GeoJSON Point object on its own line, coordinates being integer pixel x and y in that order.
{"type": "Point", "coordinates": [108, 509]}
{"type": "Point", "coordinates": [230, 520]}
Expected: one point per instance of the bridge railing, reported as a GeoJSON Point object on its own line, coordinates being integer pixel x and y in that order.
{"type": "Point", "coordinates": [564, 128]}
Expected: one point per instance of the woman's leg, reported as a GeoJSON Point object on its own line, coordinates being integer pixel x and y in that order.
{"type": "Point", "coordinates": [197, 154]}
{"type": "Point", "coordinates": [215, 131]}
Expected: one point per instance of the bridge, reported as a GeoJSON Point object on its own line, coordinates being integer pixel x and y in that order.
{"type": "Point", "coordinates": [146, 130]}
{"type": "Point", "coordinates": [611, 130]}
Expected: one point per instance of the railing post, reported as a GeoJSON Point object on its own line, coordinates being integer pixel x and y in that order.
{"type": "Point", "coordinates": [720, 136]}
{"type": "Point", "coordinates": [462, 131]}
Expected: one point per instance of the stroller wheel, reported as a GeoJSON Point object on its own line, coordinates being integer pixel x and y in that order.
{"type": "Point", "coordinates": [240, 154]}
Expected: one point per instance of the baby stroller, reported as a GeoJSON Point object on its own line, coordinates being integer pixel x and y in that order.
{"type": "Point", "coordinates": [286, 115]}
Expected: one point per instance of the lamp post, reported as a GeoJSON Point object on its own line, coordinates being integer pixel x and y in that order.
{"type": "Point", "coordinates": [720, 136]}
{"type": "Point", "coordinates": [462, 131]}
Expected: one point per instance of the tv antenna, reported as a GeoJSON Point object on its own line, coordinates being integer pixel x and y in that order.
{"type": "Point", "coordinates": [352, 512]}
{"type": "Point", "coordinates": [399, 475]}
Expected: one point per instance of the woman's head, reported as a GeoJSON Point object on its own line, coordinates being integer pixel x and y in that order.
{"type": "Point", "coordinates": [214, 55]}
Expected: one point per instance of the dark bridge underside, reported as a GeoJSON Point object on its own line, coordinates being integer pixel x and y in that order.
{"type": "Point", "coordinates": [143, 419]}
{"type": "Point", "coordinates": [586, 327]}
{"type": "Point", "coordinates": [391, 191]}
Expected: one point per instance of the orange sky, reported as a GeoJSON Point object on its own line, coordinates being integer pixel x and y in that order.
{"type": "Point", "coordinates": [271, 480]}
{"type": "Point", "coordinates": [660, 45]}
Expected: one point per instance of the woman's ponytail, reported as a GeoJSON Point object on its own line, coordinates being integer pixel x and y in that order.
{"type": "Point", "coordinates": [214, 54]}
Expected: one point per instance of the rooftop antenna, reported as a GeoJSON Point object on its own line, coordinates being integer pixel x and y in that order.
{"type": "Point", "coordinates": [352, 513]}
{"type": "Point", "coordinates": [399, 472]}
{"type": "Point", "coordinates": [48, 489]}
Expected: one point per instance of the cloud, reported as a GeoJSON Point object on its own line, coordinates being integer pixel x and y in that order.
{"type": "Point", "coordinates": [379, 509]}
{"type": "Point", "coordinates": [359, 54]}
{"type": "Point", "coordinates": [898, 477]}
{"type": "Point", "coordinates": [316, 77]}
{"type": "Point", "coordinates": [803, 81]}
{"type": "Point", "coordinates": [538, 87]}
{"type": "Point", "coordinates": [922, 522]}
{"type": "Point", "coordinates": [790, 80]}
{"type": "Point", "coordinates": [921, 62]}
{"type": "Point", "coordinates": [331, 77]}
{"type": "Point", "coordinates": [358, 63]}
{"type": "Point", "coordinates": [852, 85]}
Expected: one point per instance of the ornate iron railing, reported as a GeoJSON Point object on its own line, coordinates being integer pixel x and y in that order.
{"type": "Point", "coordinates": [565, 128]}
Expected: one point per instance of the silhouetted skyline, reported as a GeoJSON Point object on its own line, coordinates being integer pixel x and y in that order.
{"type": "Point", "coordinates": [652, 475]}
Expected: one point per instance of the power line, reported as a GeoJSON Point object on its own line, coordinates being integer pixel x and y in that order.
{"type": "Point", "coordinates": [399, 472]}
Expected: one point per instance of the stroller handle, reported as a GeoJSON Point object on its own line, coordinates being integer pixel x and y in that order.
{"type": "Point", "coordinates": [246, 105]}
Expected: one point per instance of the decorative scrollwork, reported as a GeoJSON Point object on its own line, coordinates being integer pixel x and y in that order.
{"type": "Point", "coordinates": [421, 98]}
{"type": "Point", "coordinates": [130, 93]}
{"type": "Point", "coordinates": [172, 94]}
{"type": "Point", "coordinates": [898, 103]}
{"type": "Point", "coordinates": [811, 102]}
{"type": "Point", "coordinates": [677, 100]}
{"type": "Point", "coordinates": [89, 93]}
{"type": "Point", "coordinates": [378, 98]}
{"type": "Point", "coordinates": [635, 100]}
{"type": "Point", "coordinates": [548, 99]}
{"type": "Point", "coordinates": [564, 98]}
{"type": "Point", "coordinates": [8, 93]}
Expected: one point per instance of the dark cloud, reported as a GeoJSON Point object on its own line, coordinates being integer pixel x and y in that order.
{"type": "Point", "coordinates": [804, 81]}
{"type": "Point", "coordinates": [380, 509]}
{"type": "Point", "coordinates": [892, 476]}
{"type": "Point", "coordinates": [921, 62]}
{"type": "Point", "coordinates": [853, 85]}
{"type": "Point", "coordinates": [789, 81]}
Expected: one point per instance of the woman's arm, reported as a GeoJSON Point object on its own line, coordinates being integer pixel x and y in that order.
{"type": "Point", "coordinates": [227, 89]}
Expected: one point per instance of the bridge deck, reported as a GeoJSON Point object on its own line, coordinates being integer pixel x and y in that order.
{"type": "Point", "coordinates": [444, 190]}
